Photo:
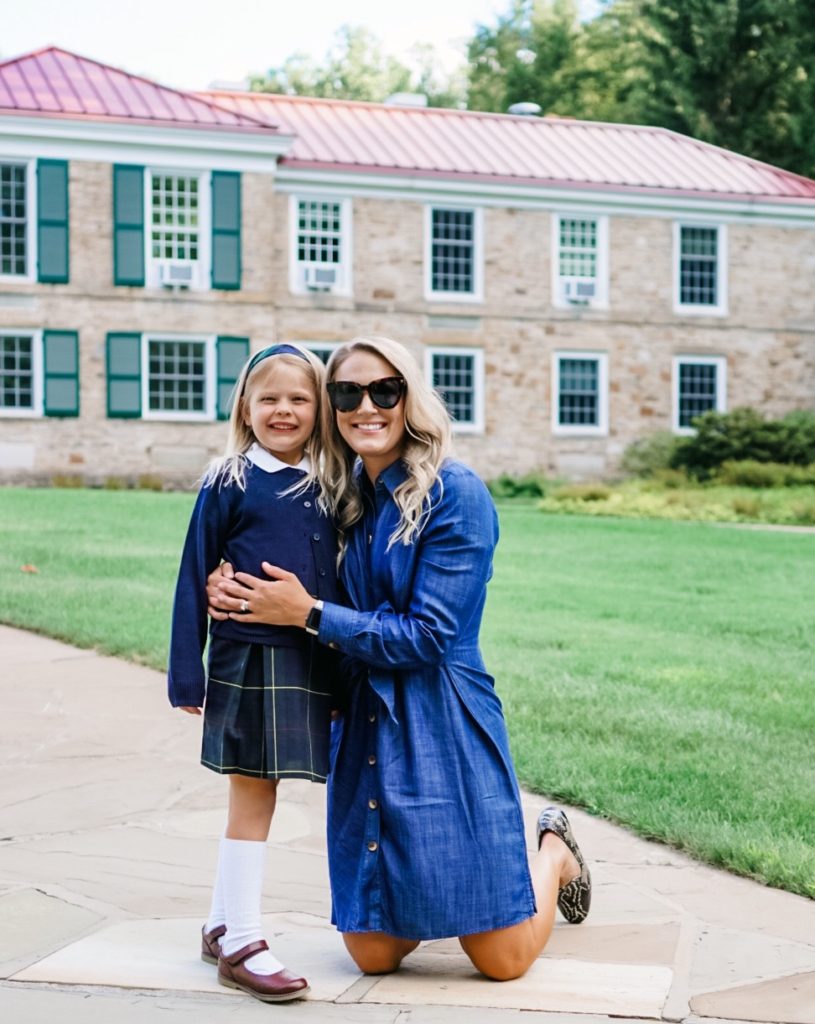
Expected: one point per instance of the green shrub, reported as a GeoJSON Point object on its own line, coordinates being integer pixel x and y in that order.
{"type": "Point", "coordinates": [804, 512]}
{"type": "Point", "coordinates": [749, 473]}
{"type": "Point", "coordinates": [745, 434]}
{"type": "Point", "coordinates": [150, 482]}
{"type": "Point", "coordinates": [744, 505]}
{"type": "Point", "coordinates": [582, 492]}
{"type": "Point", "coordinates": [533, 485]}
{"type": "Point", "coordinates": [649, 455]}
{"type": "Point", "coordinates": [67, 480]}
{"type": "Point", "coordinates": [114, 483]}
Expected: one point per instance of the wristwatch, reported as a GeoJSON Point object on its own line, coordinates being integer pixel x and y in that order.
{"type": "Point", "coordinates": [313, 618]}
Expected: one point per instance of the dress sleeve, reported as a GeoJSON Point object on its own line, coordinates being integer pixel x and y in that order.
{"type": "Point", "coordinates": [454, 565]}
{"type": "Point", "coordinates": [202, 553]}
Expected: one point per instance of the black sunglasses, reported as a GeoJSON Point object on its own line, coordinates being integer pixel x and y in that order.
{"type": "Point", "coordinates": [385, 393]}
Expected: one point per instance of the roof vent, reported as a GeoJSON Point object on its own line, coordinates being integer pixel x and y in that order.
{"type": "Point", "coordinates": [406, 99]}
{"type": "Point", "coordinates": [525, 109]}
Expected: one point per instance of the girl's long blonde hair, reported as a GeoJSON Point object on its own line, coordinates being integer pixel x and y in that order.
{"type": "Point", "coordinates": [426, 444]}
{"type": "Point", "coordinates": [230, 468]}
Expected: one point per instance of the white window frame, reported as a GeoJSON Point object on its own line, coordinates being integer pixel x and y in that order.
{"type": "Point", "coordinates": [202, 280]}
{"type": "Point", "coordinates": [720, 362]}
{"type": "Point", "coordinates": [477, 294]}
{"type": "Point", "coordinates": [30, 274]}
{"type": "Point", "coordinates": [37, 409]}
{"type": "Point", "coordinates": [601, 297]}
{"type": "Point", "coordinates": [693, 309]}
{"type": "Point", "coordinates": [210, 379]}
{"type": "Point", "coordinates": [313, 346]}
{"type": "Point", "coordinates": [600, 429]}
{"type": "Point", "coordinates": [344, 284]}
{"type": "Point", "coordinates": [477, 354]}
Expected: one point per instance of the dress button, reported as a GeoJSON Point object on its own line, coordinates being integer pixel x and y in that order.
{"type": "Point", "coordinates": [373, 804]}
{"type": "Point", "coordinates": [333, 646]}
{"type": "Point", "coordinates": [372, 759]}
{"type": "Point", "coordinates": [322, 572]}
{"type": "Point", "coordinates": [371, 718]}
{"type": "Point", "coordinates": [373, 846]}
{"type": "Point", "coordinates": [315, 536]}
{"type": "Point", "coordinates": [306, 504]}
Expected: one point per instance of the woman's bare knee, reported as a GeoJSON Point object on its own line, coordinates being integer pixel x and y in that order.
{"type": "Point", "coordinates": [497, 960]}
{"type": "Point", "coordinates": [377, 953]}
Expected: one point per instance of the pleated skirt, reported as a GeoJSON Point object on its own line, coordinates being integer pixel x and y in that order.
{"type": "Point", "coordinates": [267, 712]}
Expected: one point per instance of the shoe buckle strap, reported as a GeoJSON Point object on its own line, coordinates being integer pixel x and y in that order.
{"type": "Point", "coordinates": [216, 933]}
{"type": "Point", "coordinates": [236, 958]}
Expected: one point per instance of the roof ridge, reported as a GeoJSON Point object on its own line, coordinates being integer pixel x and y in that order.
{"type": "Point", "coordinates": [185, 93]}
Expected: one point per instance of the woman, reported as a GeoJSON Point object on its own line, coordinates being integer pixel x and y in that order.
{"type": "Point", "coordinates": [425, 830]}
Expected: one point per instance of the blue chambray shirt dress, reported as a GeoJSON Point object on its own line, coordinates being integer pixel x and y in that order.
{"type": "Point", "coordinates": [425, 829]}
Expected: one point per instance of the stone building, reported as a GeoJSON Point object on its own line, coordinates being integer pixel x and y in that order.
{"type": "Point", "coordinates": [568, 286]}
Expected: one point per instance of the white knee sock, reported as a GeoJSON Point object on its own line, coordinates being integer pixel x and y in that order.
{"type": "Point", "coordinates": [217, 914]}
{"type": "Point", "coordinates": [242, 862]}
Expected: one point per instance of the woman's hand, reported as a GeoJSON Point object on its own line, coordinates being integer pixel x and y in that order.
{"type": "Point", "coordinates": [191, 711]}
{"type": "Point", "coordinates": [279, 601]}
{"type": "Point", "coordinates": [215, 607]}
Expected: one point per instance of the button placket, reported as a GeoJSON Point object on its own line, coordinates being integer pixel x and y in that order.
{"type": "Point", "coordinates": [372, 838]}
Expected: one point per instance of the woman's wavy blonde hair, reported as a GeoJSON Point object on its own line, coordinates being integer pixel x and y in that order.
{"type": "Point", "coordinates": [426, 444]}
{"type": "Point", "coordinates": [230, 468]}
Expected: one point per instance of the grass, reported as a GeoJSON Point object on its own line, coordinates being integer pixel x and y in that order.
{"type": "Point", "coordinates": [660, 674]}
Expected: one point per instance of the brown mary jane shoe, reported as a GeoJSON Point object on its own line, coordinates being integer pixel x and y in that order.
{"type": "Point", "coordinates": [210, 946]}
{"type": "Point", "coordinates": [269, 988]}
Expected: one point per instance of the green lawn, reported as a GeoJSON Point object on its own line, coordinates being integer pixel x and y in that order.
{"type": "Point", "coordinates": [660, 674]}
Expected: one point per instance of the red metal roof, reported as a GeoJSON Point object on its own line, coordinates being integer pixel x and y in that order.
{"type": "Point", "coordinates": [55, 82]}
{"type": "Point", "coordinates": [346, 135]}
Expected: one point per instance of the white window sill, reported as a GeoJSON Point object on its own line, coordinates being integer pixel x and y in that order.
{"type": "Point", "coordinates": [714, 311]}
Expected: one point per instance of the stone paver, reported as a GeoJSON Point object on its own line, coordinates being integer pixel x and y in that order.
{"type": "Point", "coordinates": [108, 839]}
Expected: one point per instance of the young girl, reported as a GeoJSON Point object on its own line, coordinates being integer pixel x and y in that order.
{"type": "Point", "coordinates": [268, 691]}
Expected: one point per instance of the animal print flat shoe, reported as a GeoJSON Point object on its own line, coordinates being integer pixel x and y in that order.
{"type": "Point", "coordinates": [574, 898]}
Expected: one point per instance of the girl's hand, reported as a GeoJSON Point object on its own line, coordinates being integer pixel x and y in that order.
{"type": "Point", "coordinates": [280, 601]}
{"type": "Point", "coordinates": [215, 607]}
{"type": "Point", "coordinates": [192, 711]}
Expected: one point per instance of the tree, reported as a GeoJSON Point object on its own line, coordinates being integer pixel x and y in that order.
{"type": "Point", "coordinates": [356, 68]}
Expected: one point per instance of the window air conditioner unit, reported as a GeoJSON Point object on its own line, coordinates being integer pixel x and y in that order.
{"type": "Point", "coordinates": [177, 273]}
{"type": "Point", "coordinates": [319, 278]}
{"type": "Point", "coordinates": [578, 290]}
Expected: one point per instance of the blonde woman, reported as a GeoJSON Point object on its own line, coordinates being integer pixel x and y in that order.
{"type": "Point", "coordinates": [425, 831]}
{"type": "Point", "coordinates": [268, 689]}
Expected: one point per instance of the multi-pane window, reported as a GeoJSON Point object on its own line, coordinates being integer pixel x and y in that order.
{"type": "Point", "coordinates": [453, 252]}
{"type": "Point", "coordinates": [17, 379]}
{"type": "Point", "coordinates": [319, 231]}
{"type": "Point", "coordinates": [13, 218]}
{"type": "Point", "coordinates": [175, 216]}
{"type": "Point", "coordinates": [699, 388]}
{"type": "Point", "coordinates": [699, 266]}
{"type": "Point", "coordinates": [323, 350]}
{"type": "Point", "coordinates": [320, 245]}
{"type": "Point", "coordinates": [176, 376]}
{"type": "Point", "coordinates": [578, 248]}
{"type": "Point", "coordinates": [579, 398]}
{"type": "Point", "coordinates": [457, 375]}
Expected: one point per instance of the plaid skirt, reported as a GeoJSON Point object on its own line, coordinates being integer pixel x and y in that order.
{"type": "Point", "coordinates": [264, 714]}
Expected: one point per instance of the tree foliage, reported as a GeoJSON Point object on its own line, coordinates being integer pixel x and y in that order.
{"type": "Point", "coordinates": [357, 68]}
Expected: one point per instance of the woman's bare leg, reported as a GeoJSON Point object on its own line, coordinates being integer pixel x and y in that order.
{"type": "Point", "coordinates": [377, 952]}
{"type": "Point", "coordinates": [251, 807]}
{"type": "Point", "coordinates": [508, 953]}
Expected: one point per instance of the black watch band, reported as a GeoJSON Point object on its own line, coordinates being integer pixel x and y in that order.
{"type": "Point", "coordinates": [313, 619]}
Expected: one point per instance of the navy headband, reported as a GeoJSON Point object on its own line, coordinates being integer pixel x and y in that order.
{"type": "Point", "coordinates": [273, 350]}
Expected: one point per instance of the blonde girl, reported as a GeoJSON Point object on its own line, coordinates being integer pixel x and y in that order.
{"type": "Point", "coordinates": [267, 695]}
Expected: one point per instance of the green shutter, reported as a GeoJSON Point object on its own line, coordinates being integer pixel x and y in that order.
{"type": "Point", "coordinates": [52, 221]}
{"type": "Point", "coordinates": [128, 225]}
{"type": "Point", "coordinates": [124, 375]}
{"type": "Point", "coordinates": [232, 354]}
{"type": "Point", "coordinates": [226, 230]}
{"type": "Point", "coordinates": [60, 373]}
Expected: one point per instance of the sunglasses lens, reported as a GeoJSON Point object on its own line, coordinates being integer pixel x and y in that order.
{"type": "Point", "coordinates": [345, 395]}
{"type": "Point", "coordinates": [386, 392]}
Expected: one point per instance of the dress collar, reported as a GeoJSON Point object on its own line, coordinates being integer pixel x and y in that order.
{"type": "Point", "coordinates": [263, 459]}
{"type": "Point", "coordinates": [390, 478]}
